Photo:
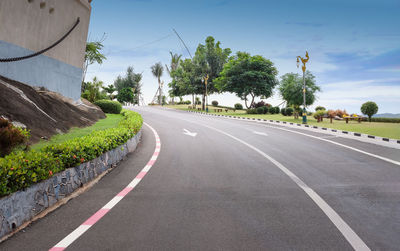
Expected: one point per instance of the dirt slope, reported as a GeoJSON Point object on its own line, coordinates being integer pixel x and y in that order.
{"type": "Point", "coordinates": [45, 113]}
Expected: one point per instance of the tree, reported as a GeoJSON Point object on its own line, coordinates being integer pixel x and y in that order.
{"type": "Point", "coordinates": [291, 89]}
{"type": "Point", "coordinates": [92, 90]}
{"type": "Point", "coordinates": [175, 60]}
{"type": "Point", "coordinates": [125, 95]}
{"type": "Point", "coordinates": [209, 60]}
{"type": "Point", "coordinates": [369, 108]}
{"type": "Point", "coordinates": [132, 81]}
{"type": "Point", "coordinates": [110, 89]}
{"type": "Point", "coordinates": [247, 75]}
{"type": "Point", "coordinates": [93, 55]}
{"type": "Point", "coordinates": [157, 70]}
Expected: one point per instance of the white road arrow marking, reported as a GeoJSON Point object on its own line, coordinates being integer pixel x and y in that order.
{"type": "Point", "coordinates": [186, 132]}
{"type": "Point", "coordinates": [260, 133]}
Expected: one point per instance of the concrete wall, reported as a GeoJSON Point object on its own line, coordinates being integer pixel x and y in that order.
{"type": "Point", "coordinates": [28, 26]}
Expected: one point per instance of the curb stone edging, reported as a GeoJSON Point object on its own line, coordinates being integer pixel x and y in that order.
{"type": "Point", "coordinates": [355, 135]}
{"type": "Point", "coordinates": [22, 206]}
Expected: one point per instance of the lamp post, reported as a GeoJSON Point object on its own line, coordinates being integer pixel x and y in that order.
{"type": "Point", "coordinates": [304, 61]}
{"type": "Point", "coordinates": [205, 79]}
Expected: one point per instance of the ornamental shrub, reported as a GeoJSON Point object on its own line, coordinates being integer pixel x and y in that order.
{"type": "Point", "coordinates": [283, 111]}
{"type": "Point", "coordinates": [265, 108]}
{"type": "Point", "coordinates": [277, 110]}
{"type": "Point", "coordinates": [271, 110]}
{"type": "Point", "coordinates": [319, 108]}
{"type": "Point", "coordinates": [11, 136]}
{"type": "Point", "coordinates": [238, 106]}
{"type": "Point", "coordinates": [214, 103]}
{"type": "Point", "coordinates": [251, 111]}
{"type": "Point", "coordinates": [319, 114]}
{"type": "Point", "coordinates": [260, 110]}
{"type": "Point", "coordinates": [289, 111]}
{"type": "Point", "coordinates": [108, 106]}
{"type": "Point", "coordinates": [22, 169]}
{"type": "Point", "coordinates": [259, 104]}
{"type": "Point", "coordinates": [188, 102]}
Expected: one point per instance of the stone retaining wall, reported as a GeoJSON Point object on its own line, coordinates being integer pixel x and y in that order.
{"type": "Point", "coordinates": [22, 206]}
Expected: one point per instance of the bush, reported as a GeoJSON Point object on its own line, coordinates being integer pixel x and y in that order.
{"type": "Point", "coordinates": [214, 103]}
{"type": "Point", "coordinates": [319, 114]}
{"type": "Point", "coordinates": [187, 102]}
{"type": "Point", "coordinates": [319, 108]}
{"type": "Point", "coordinates": [283, 111]}
{"type": "Point", "coordinates": [265, 109]}
{"type": "Point", "coordinates": [331, 113]}
{"type": "Point", "coordinates": [22, 169]}
{"type": "Point", "coordinates": [251, 111]}
{"type": "Point", "coordinates": [11, 136]}
{"type": "Point", "coordinates": [108, 106]}
{"type": "Point", "coordinates": [260, 110]}
{"type": "Point", "coordinates": [259, 104]}
{"type": "Point", "coordinates": [238, 106]}
{"type": "Point", "coordinates": [386, 120]}
{"type": "Point", "coordinates": [341, 113]}
{"type": "Point", "coordinates": [271, 110]}
{"type": "Point", "coordinates": [277, 110]}
{"type": "Point", "coordinates": [289, 111]}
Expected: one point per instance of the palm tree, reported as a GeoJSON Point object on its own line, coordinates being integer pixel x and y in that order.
{"type": "Point", "coordinates": [175, 60]}
{"type": "Point", "coordinates": [157, 70]}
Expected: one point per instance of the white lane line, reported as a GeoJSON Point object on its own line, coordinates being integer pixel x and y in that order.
{"type": "Point", "coordinates": [79, 231]}
{"type": "Point", "coordinates": [339, 144]}
{"type": "Point", "coordinates": [355, 241]}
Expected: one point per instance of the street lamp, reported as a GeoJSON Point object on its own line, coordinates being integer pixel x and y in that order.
{"type": "Point", "coordinates": [205, 79]}
{"type": "Point", "coordinates": [304, 61]}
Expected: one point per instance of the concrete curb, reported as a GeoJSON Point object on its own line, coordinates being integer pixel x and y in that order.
{"type": "Point", "coordinates": [394, 143]}
{"type": "Point", "coordinates": [22, 206]}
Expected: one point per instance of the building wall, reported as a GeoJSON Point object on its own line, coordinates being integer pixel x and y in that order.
{"type": "Point", "coordinates": [27, 26]}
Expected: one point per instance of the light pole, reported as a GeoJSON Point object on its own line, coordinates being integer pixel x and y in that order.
{"type": "Point", "coordinates": [205, 79]}
{"type": "Point", "coordinates": [304, 61]}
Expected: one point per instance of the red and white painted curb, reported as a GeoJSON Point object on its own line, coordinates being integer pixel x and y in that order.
{"type": "Point", "coordinates": [74, 235]}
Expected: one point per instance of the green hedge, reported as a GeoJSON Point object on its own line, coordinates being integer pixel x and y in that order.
{"type": "Point", "coordinates": [22, 169]}
{"type": "Point", "coordinates": [109, 106]}
{"type": "Point", "coordinates": [386, 120]}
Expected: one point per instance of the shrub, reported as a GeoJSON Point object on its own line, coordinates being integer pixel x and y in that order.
{"type": "Point", "coordinates": [289, 111]}
{"type": "Point", "coordinates": [260, 110]}
{"type": "Point", "coordinates": [251, 111]}
{"type": "Point", "coordinates": [319, 108]}
{"type": "Point", "coordinates": [238, 106]}
{"type": "Point", "coordinates": [21, 169]}
{"type": "Point", "coordinates": [265, 108]}
{"type": "Point", "coordinates": [214, 103]}
{"type": "Point", "coordinates": [319, 114]}
{"type": "Point", "coordinates": [259, 104]}
{"type": "Point", "coordinates": [271, 110]}
{"type": "Point", "coordinates": [187, 102]}
{"type": "Point", "coordinates": [331, 113]}
{"type": "Point", "coordinates": [283, 111]}
{"type": "Point", "coordinates": [341, 113]}
{"type": "Point", "coordinates": [277, 110]}
{"type": "Point", "coordinates": [108, 106]}
{"type": "Point", "coordinates": [369, 108]}
{"type": "Point", "coordinates": [386, 120]}
{"type": "Point", "coordinates": [11, 136]}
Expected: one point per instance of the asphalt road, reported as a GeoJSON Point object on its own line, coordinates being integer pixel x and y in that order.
{"type": "Point", "coordinates": [236, 185]}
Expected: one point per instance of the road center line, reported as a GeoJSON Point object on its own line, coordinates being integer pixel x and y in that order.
{"type": "Point", "coordinates": [355, 241]}
{"type": "Point", "coordinates": [74, 235]}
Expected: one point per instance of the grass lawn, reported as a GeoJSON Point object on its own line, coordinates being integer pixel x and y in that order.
{"type": "Point", "coordinates": [112, 120]}
{"type": "Point", "coordinates": [388, 130]}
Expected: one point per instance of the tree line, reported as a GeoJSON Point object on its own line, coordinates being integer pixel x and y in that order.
{"type": "Point", "coordinates": [248, 77]}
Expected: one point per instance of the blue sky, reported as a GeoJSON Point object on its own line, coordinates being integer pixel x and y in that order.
{"type": "Point", "coordinates": [354, 45]}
